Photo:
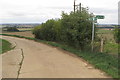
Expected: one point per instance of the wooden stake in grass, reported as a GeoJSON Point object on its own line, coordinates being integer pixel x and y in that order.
{"type": "Point", "coordinates": [102, 44]}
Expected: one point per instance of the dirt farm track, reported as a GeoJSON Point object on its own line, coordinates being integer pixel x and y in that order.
{"type": "Point", "coordinates": [38, 60]}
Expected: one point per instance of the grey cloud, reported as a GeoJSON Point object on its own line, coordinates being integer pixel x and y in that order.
{"type": "Point", "coordinates": [60, 7]}
{"type": "Point", "coordinates": [42, 14]}
{"type": "Point", "coordinates": [54, 7]}
{"type": "Point", "coordinates": [19, 14]}
{"type": "Point", "coordinates": [23, 20]}
{"type": "Point", "coordinates": [24, 14]}
{"type": "Point", "coordinates": [103, 10]}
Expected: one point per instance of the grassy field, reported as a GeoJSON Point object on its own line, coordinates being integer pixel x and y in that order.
{"type": "Point", "coordinates": [105, 62]}
{"type": "Point", "coordinates": [20, 29]}
{"type": "Point", "coordinates": [110, 46]}
{"type": "Point", "coordinates": [25, 29]}
{"type": "Point", "coordinates": [106, 34]}
{"type": "Point", "coordinates": [104, 31]}
{"type": "Point", "coordinates": [4, 46]}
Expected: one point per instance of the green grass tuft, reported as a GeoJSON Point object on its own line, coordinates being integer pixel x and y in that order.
{"type": "Point", "coordinates": [5, 46]}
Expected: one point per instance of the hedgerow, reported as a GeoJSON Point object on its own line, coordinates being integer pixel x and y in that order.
{"type": "Point", "coordinates": [74, 29]}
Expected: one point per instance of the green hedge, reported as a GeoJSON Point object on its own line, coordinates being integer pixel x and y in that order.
{"type": "Point", "coordinates": [74, 29]}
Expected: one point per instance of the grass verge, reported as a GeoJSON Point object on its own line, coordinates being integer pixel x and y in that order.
{"type": "Point", "coordinates": [111, 48]}
{"type": "Point", "coordinates": [5, 46]}
{"type": "Point", "coordinates": [102, 61]}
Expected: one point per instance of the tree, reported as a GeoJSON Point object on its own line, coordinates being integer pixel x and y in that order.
{"type": "Point", "coordinates": [77, 28]}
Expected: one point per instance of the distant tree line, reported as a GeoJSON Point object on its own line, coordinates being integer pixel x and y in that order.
{"type": "Point", "coordinates": [12, 29]}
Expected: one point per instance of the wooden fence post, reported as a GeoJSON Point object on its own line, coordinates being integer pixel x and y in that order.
{"type": "Point", "coordinates": [102, 45]}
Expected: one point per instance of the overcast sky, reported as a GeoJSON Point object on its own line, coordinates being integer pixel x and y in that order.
{"type": "Point", "coordinates": [38, 11]}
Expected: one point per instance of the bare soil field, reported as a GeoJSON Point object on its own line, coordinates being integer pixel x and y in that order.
{"type": "Point", "coordinates": [26, 33]}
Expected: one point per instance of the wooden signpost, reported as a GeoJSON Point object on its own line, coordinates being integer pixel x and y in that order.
{"type": "Point", "coordinates": [93, 28]}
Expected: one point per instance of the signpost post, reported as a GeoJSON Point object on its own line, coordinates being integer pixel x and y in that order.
{"type": "Point", "coordinates": [93, 28]}
{"type": "Point", "coordinates": [93, 33]}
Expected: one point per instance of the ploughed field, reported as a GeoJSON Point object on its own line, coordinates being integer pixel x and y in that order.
{"type": "Point", "coordinates": [25, 33]}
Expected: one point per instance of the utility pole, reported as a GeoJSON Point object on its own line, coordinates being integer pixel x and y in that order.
{"type": "Point", "coordinates": [80, 7]}
{"type": "Point", "coordinates": [74, 5]}
{"type": "Point", "coordinates": [77, 7]}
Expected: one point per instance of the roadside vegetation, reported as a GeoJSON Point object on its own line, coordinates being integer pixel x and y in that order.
{"type": "Point", "coordinates": [5, 46]}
